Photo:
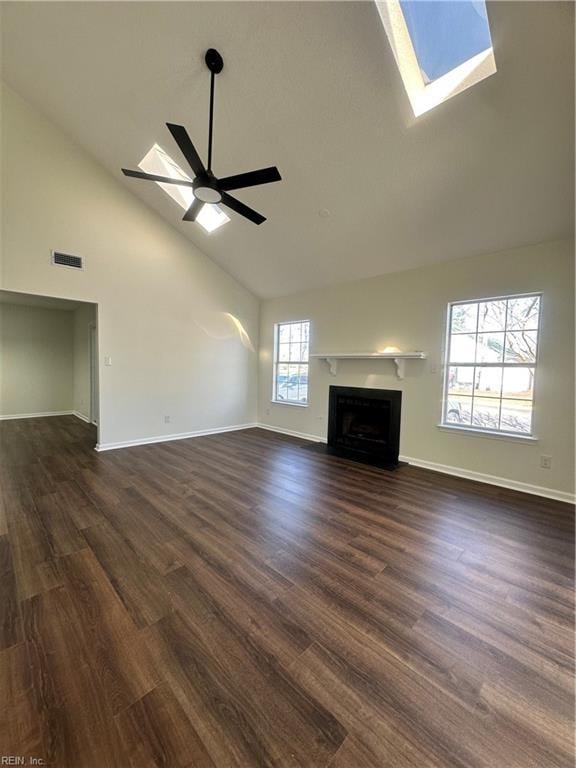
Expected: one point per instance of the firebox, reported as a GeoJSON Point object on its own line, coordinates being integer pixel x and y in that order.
{"type": "Point", "coordinates": [364, 424]}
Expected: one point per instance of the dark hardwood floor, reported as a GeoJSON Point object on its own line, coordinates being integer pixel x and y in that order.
{"type": "Point", "coordinates": [235, 600]}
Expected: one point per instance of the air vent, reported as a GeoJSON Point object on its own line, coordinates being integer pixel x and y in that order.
{"type": "Point", "coordinates": [66, 260]}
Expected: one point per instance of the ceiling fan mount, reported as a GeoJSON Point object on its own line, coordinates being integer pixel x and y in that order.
{"type": "Point", "coordinates": [206, 187]}
{"type": "Point", "coordinates": [214, 61]}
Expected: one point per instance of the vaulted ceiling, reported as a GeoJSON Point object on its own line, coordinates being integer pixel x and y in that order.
{"type": "Point", "coordinates": [313, 88]}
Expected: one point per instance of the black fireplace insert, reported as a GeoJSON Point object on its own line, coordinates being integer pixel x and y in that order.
{"type": "Point", "coordinates": [364, 424]}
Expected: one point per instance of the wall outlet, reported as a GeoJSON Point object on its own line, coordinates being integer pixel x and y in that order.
{"type": "Point", "coordinates": [546, 462]}
{"type": "Point", "coordinates": [167, 419]}
{"type": "Point", "coordinates": [107, 360]}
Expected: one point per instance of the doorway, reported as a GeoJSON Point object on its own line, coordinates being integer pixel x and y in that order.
{"type": "Point", "coordinates": [49, 362]}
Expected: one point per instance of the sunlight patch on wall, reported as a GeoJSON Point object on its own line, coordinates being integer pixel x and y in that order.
{"type": "Point", "coordinates": [242, 333]}
{"type": "Point", "coordinates": [223, 326]}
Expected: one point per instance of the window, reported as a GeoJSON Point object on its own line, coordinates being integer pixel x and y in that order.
{"type": "Point", "coordinates": [441, 48]}
{"type": "Point", "coordinates": [291, 351]}
{"type": "Point", "coordinates": [159, 162]}
{"type": "Point", "coordinates": [490, 364]}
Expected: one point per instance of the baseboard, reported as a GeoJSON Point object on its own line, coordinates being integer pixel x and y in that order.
{"type": "Point", "coordinates": [502, 482]}
{"type": "Point", "coordinates": [38, 415]}
{"type": "Point", "coordinates": [292, 433]}
{"type": "Point", "coordinates": [81, 416]}
{"type": "Point", "coordinates": [170, 438]}
{"type": "Point", "coordinates": [467, 474]}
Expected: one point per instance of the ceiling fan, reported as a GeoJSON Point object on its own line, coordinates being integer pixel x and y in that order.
{"type": "Point", "coordinates": [206, 187]}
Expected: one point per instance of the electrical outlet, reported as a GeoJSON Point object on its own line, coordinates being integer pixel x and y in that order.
{"type": "Point", "coordinates": [546, 462]}
{"type": "Point", "coordinates": [167, 419]}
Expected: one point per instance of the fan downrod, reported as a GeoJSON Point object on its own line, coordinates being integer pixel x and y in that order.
{"type": "Point", "coordinates": [214, 61]}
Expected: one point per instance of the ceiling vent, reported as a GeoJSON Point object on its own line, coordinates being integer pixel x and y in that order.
{"type": "Point", "coordinates": [66, 260]}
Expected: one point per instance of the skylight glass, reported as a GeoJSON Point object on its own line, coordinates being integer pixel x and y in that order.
{"type": "Point", "coordinates": [157, 161]}
{"type": "Point", "coordinates": [446, 34]}
{"type": "Point", "coordinates": [441, 47]}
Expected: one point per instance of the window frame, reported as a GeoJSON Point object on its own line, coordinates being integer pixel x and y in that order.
{"type": "Point", "coordinates": [276, 362]}
{"type": "Point", "coordinates": [471, 428]}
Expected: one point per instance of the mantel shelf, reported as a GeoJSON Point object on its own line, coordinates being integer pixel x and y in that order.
{"type": "Point", "coordinates": [398, 357]}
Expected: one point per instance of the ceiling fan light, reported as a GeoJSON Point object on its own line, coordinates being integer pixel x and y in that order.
{"type": "Point", "coordinates": [207, 194]}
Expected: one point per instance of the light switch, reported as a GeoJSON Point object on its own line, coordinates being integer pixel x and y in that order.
{"type": "Point", "coordinates": [107, 360]}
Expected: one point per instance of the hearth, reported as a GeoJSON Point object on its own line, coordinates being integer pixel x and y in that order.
{"type": "Point", "coordinates": [364, 424]}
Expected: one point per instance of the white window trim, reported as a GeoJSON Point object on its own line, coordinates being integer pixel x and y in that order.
{"type": "Point", "coordinates": [469, 429]}
{"type": "Point", "coordinates": [289, 402]}
{"type": "Point", "coordinates": [514, 437]}
{"type": "Point", "coordinates": [276, 362]}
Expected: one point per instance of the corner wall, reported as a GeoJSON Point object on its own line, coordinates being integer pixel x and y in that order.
{"type": "Point", "coordinates": [167, 316]}
{"type": "Point", "coordinates": [408, 310]}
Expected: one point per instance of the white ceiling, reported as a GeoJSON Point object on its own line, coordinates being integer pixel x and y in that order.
{"type": "Point", "coordinates": [313, 88]}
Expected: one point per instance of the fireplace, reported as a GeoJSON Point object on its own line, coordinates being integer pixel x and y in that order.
{"type": "Point", "coordinates": [364, 424]}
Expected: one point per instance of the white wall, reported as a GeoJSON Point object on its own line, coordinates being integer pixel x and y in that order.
{"type": "Point", "coordinates": [36, 360]}
{"type": "Point", "coordinates": [408, 310]}
{"type": "Point", "coordinates": [167, 314]}
{"type": "Point", "coordinates": [84, 318]}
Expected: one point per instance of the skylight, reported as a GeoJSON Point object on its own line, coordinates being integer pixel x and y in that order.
{"type": "Point", "coordinates": [441, 47]}
{"type": "Point", "coordinates": [157, 161]}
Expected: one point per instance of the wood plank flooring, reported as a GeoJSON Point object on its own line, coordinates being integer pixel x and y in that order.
{"type": "Point", "coordinates": [237, 600]}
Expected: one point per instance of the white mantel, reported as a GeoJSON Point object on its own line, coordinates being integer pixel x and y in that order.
{"type": "Point", "coordinates": [398, 357]}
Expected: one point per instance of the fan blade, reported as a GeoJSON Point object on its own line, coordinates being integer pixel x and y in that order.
{"type": "Point", "coordinates": [160, 179]}
{"type": "Point", "coordinates": [193, 211]}
{"type": "Point", "coordinates": [184, 141]}
{"type": "Point", "coordinates": [250, 179]}
{"type": "Point", "coordinates": [242, 209]}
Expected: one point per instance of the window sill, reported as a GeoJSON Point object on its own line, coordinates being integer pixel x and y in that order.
{"type": "Point", "coordinates": [287, 402]}
{"type": "Point", "coordinates": [526, 439]}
